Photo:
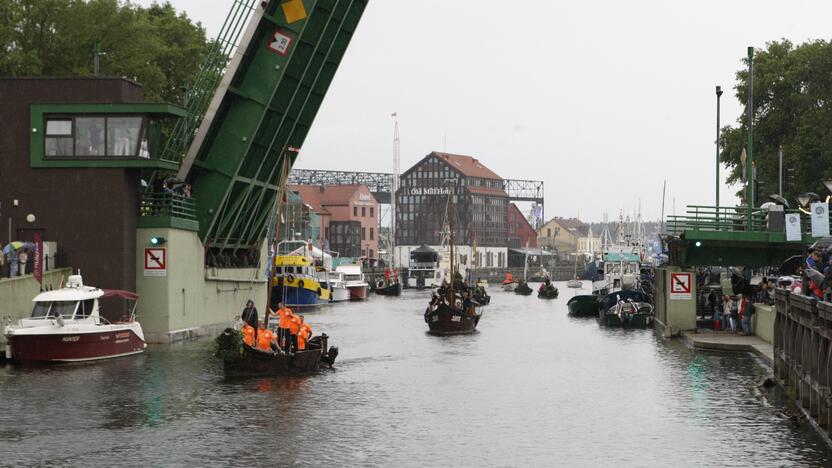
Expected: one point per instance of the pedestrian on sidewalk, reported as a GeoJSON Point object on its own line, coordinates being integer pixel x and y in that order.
{"type": "Point", "coordinates": [735, 315]}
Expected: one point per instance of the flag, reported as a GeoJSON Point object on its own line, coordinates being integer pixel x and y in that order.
{"type": "Point", "coordinates": [38, 258]}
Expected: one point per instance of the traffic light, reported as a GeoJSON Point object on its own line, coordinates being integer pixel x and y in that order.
{"type": "Point", "coordinates": [156, 240]}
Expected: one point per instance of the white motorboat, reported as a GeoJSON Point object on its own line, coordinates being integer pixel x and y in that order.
{"type": "Point", "coordinates": [66, 325]}
{"type": "Point", "coordinates": [354, 281]}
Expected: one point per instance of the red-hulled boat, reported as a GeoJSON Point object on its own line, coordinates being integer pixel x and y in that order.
{"type": "Point", "coordinates": [66, 325]}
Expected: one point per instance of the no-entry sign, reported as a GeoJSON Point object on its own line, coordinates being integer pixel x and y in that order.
{"type": "Point", "coordinates": [155, 261]}
{"type": "Point", "coordinates": [680, 286]}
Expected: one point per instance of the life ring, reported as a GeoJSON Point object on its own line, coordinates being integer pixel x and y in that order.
{"type": "Point", "coordinates": [380, 284]}
{"type": "Point", "coordinates": [290, 279]}
{"type": "Point", "coordinates": [300, 284]}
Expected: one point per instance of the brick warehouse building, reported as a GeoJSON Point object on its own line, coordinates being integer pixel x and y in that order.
{"type": "Point", "coordinates": [72, 156]}
{"type": "Point", "coordinates": [482, 208]}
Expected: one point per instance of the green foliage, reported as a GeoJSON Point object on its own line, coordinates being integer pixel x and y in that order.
{"type": "Point", "coordinates": [156, 46]}
{"type": "Point", "coordinates": [792, 97]}
{"type": "Point", "coordinates": [229, 345]}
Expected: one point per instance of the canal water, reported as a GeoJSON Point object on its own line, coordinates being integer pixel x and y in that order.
{"type": "Point", "coordinates": [533, 387]}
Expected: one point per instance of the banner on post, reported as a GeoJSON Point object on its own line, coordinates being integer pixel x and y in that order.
{"type": "Point", "coordinates": [793, 227]}
{"type": "Point", "coordinates": [38, 258]}
{"type": "Point", "coordinates": [820, 219]}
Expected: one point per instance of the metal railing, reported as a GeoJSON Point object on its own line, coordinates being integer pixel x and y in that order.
{"type": "Point", "coordinates": [711, 218]}
{"type": "Point", "coordinates": [169, 205]}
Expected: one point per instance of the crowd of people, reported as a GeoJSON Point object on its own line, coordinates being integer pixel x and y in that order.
{"type": "Point", "coordinates": [734, 314]}
{"type": "Point", "coordinates": [16, 262]}
{"type": "Point", "coordinates": [464, 295]}
{"type": "Point", "coordinates": [293, 333]}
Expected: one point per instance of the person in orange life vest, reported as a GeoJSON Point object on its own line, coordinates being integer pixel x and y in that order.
{"type": "Point", "coordinates": [248, 334]}
{"type": "Point", "coordinates": [264, 338]}
{"type": "Point", "coordinates": [304, 334]}
{"type": "Point", "coordinates": [294, 328]}
{"type": "Point", "coordinates": [284, 319]}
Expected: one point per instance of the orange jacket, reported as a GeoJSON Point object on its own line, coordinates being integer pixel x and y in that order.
{"type": "Point", "coordinates": [264, 339]}
{"type": "Point", "coordinates": [294, 324]}
{"type": "Point", "coordinates": [285, 315]}
{"type": "Point", "coordinates": [304, 334]}
{"type": "Point", "coordinates": [248, 335]}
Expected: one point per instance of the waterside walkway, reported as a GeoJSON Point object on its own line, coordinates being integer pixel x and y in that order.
{"type": "Point", "coordinates": [724, 341]}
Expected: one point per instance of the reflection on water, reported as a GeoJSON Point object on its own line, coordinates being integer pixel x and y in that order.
{"type": "Point", "coordinates": [532, 387]}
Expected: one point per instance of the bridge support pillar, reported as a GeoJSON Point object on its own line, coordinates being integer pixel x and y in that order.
{"type": "Point", "coordinates": [675, 300]}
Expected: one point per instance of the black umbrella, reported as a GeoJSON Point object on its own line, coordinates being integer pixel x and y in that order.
{"type": "Point", "coordinates": [824, 244]}
{"type": "Point", "coordinates": [792, 265]}
{"type": "Point", "coordinates": [779, 200]}
{"type": "Point", "coordinates": [814, 275]}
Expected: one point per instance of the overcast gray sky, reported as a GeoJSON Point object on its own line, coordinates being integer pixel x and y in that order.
{"type": "Point", "coordinates": [602, 100]}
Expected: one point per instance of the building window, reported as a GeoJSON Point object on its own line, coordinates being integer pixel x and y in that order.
{"type": "Point", "coordinates": [95, 136]}
{"type": "Point", "coordinates": [363, 211]}
{"type": "Point", "coordinates": [355, 211]}
{"type": "Point", "coordinates": [548, 232]}
{"type": "Point", "coordinates": [371, 233]}
{"type": "Point", "coordinates": [372, 254]}
{"type": "Point", "coordinates": [363, 233]}
{"type": "Point", "coordinates": [372, 209]}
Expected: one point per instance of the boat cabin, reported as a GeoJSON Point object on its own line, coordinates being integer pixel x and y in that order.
{"type": "Point", "coordinates": [75, 302]}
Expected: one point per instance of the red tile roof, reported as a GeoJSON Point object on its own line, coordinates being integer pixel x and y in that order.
{"type": "Point", "coordinates": [331, 195]}
{"type": "Point", "coordinates": [467, 165]}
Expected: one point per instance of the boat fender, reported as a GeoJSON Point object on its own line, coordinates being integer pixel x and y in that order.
{"type": "Point", "coordinates": [300, 284]}
{"type": "Point", "coordinates": [290, 279]}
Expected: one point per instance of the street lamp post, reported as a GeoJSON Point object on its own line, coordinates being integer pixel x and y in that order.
{"type": "Point", "coordinates": [749, 178]}
{"type": "Point", "coordinates": [718, 95]}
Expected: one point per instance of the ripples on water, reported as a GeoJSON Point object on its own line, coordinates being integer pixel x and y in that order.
{"type": "Point", "coordinates": [533, 387]}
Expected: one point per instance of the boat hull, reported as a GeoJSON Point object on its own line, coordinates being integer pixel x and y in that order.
{"type": "Point", "coordinates": [296, 297]}
{"type": "Point", "coordinates": [340, 294]}
{"type": "Point", "coordinates": [630, 321]}
{"type": "Point", "coordinates": [445, 321]}
{"type": "Point", "coordinates": [257, 363]}
{"type": "Point", "coordinates": [358, 293]}
{"type": "Point", "coordinates": [392, 290]}
{"type": "Point", "coordinates": [74, 347]}
{"type": "Point", "coordinates": [585, 305]}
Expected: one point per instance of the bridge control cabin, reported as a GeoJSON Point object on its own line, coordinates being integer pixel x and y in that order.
{"type": "Point", "coordinates": [75, 154]}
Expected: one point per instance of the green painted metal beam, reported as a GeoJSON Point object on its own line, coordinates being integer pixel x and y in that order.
{"type": "Point", "coordinates": [279, 81]}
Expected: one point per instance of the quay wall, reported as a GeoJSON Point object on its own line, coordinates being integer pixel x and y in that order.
{"type": "Point", "coordinates": [762, 323]}
{"type": "Point", "coordinates": [803, 354]}
{"type": "Point", "coordinates": [16, 296]}
{"type": "Point", "coordinates": [190, 300]}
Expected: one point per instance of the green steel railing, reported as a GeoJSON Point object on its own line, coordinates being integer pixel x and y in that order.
{"type": "Point", "coordinates": [201, 91]}
{"type": "Point", "coordinates": [728, 219]}
{"type": "Point", "coordinates": [171, 205]}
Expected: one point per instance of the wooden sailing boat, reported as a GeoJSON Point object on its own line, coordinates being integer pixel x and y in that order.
{"type": "Point", "coordinates": [451, 310]}
{"type": "Point", "coordinates": [241, 360]}
{"type": "Point", "coordinates": [523, 286]}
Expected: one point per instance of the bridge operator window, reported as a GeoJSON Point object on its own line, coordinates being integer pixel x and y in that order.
{"type": "Point", "coordinates": [95, 137]}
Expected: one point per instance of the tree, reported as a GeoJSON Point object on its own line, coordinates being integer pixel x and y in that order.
{"type": "Point", "coordinates": [155, 46]}
{"type": "Point", "coordinates": [792, 98]}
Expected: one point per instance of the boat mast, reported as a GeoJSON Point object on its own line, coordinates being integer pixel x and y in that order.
{"type": "Point", "coordinates": [281, 192]}
{"type": "Point", "coordinates": [394, 186]}
{"type": "Point", "coordinates": [451, 218]}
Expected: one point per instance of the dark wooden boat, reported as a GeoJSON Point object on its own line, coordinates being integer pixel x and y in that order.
{"type": "Point", "coordinates": [584, 305]}
{"type": "Point", "coordinates": [443, 319]}
{"type": "Point", "coordinates": [480, 296]}
{"type": "Point", "coordinates": [241, 360]}
{"type": "Point", "coordinates": [523, 289]}
{"type": "Point", "coordinates": [383, 289]}
{"type": "Point", "coordinates": [628, 314]}
{"type": "Point", "coordinates": [548, 293]}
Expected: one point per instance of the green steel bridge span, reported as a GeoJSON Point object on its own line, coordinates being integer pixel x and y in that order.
{"type": "Point", "coordinates": [728, 236]}
{"type": "Point", "coordinates": [248, 111]}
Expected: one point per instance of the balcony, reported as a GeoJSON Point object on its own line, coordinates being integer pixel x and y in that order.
{"type": "Point", "coordinates": [168, 210]}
